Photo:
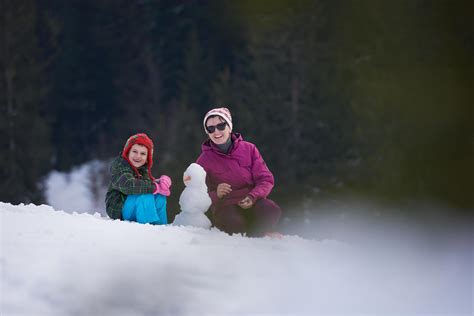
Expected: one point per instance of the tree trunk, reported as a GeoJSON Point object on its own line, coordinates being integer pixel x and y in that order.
{"type": "Point", "coordinates": [9, 74]}
{"type": "Point", "coordinates": [295, 94]}
{"type": "Point", "coordinates": [154, 74]}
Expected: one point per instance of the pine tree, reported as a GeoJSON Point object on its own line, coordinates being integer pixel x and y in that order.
{"type": "Point", "coordinates": [25, 137]}
{"type": "Point", "coordinates": [410, 64]}
{"type": "Point", "coordinates": [81, 100]}
{"type": "Point", "coordinates": [283, 97]}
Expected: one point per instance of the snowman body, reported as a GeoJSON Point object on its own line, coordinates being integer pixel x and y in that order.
{"type": "Point", "coordinates": [194, 200]}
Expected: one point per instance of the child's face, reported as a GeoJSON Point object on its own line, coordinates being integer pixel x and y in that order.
{"type": "Point", "coordinates": [137, 155]}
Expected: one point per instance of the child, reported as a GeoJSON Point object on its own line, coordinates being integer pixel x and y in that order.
{"type": "Point", "coordinates": [134, 194]}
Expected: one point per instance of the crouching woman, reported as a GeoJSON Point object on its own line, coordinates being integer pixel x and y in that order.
{"type": "Point", "coordinates": [238, 179]}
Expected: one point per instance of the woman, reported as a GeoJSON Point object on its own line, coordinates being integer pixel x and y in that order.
{"type": "Point", "coordinates": [238, 180]}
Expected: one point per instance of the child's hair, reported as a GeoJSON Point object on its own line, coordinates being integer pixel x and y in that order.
{"type": "Point", "coordinates": [144, 140]}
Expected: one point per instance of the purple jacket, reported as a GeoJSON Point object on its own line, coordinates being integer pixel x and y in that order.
{"type": "Point", "coordinates": [243, 168]}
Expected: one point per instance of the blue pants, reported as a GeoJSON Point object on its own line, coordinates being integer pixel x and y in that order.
{"type": "Point", "coordinates": [145, 208]}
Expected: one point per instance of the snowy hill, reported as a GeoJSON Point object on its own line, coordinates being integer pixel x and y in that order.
{"type": "Point", "coordinates": [55, 263]}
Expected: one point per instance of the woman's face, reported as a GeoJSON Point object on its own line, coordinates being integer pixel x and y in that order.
{"type": "Point", "coordinates": [218, 137]}
{"type": "Point", "coordinates": [137, 155]}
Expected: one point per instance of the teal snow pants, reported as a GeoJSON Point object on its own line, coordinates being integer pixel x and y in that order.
{"type": "Point", "coordinates": [145, 208]}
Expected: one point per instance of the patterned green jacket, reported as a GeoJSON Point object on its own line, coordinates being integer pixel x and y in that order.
{"type": "Point", "coordinates": [123, 182]}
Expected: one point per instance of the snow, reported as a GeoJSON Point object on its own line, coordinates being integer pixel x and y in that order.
{"type": "Point", "coordinates": [57, 263]}
{"type": "Point", "coordinates": [194, 201]}
{"type": "Point", "coordinates": [81, 190]}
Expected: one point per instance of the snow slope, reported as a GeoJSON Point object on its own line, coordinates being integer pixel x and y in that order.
{"type": "Point", "coordinates": [55, 263]}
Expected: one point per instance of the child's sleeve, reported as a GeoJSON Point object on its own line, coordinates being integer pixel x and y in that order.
{"type": "Point", "coordinates": [123, 180]}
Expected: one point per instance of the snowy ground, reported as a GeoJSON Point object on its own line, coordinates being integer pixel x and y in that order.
{"type": "Point", "coordinates": [55, 263]}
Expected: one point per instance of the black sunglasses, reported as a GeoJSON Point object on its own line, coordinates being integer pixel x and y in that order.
{"type": "Point", "coordinates": [211, 129]}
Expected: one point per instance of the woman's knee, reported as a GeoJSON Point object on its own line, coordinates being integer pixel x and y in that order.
{"type": "Point", "coordinates": [268, 207]}
{"type": "Point", "coordinates": [229, 219]}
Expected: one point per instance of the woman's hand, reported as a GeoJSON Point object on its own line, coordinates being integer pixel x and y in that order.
{"type": "Point", "coordinates": [223, 189]}
{"type": "Point", "coordinates": [246, 203]}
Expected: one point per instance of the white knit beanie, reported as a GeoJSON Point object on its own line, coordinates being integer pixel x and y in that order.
{"type": "Point", "coordinates": [221, 112]}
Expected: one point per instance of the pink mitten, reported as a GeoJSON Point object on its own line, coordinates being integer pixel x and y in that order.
{"type": "Point", "coordinates": [162, 185]}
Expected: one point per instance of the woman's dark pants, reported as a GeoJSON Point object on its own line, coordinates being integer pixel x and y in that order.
{"type": "Point", "coordinates": [261, 218]}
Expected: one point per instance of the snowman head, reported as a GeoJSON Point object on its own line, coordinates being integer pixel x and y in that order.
{"type": "Point", "coordinates": [195, 176]}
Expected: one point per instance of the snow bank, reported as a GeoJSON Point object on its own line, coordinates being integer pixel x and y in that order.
{"type": "Point", "coordinates": [55, 263]}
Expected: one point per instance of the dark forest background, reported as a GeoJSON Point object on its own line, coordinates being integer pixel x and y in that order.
{"type": "Point", "coordinates": [368, 98]}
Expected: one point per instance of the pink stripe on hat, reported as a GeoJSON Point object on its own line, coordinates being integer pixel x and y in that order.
{"type": "Point", "coordinates": [221, 112]}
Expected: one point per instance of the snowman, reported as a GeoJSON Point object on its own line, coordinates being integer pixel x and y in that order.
{"type": "Point", "coordinates": [194, 201]}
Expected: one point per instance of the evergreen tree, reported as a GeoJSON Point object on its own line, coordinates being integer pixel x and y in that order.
{"type": "Point", "coordinates": [411, 68]}
{"type": "Point", "coordinates": [25, 143]}
{"type": "Point", "coordinates": [81, 101]}
{"type": "Point", "coordinates": [137, 61]}
{"type": "Point", "coordinates": [284, 101]}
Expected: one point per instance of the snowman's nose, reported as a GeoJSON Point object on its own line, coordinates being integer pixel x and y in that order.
{"type": "Point", "coordinates": [186, 178]}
